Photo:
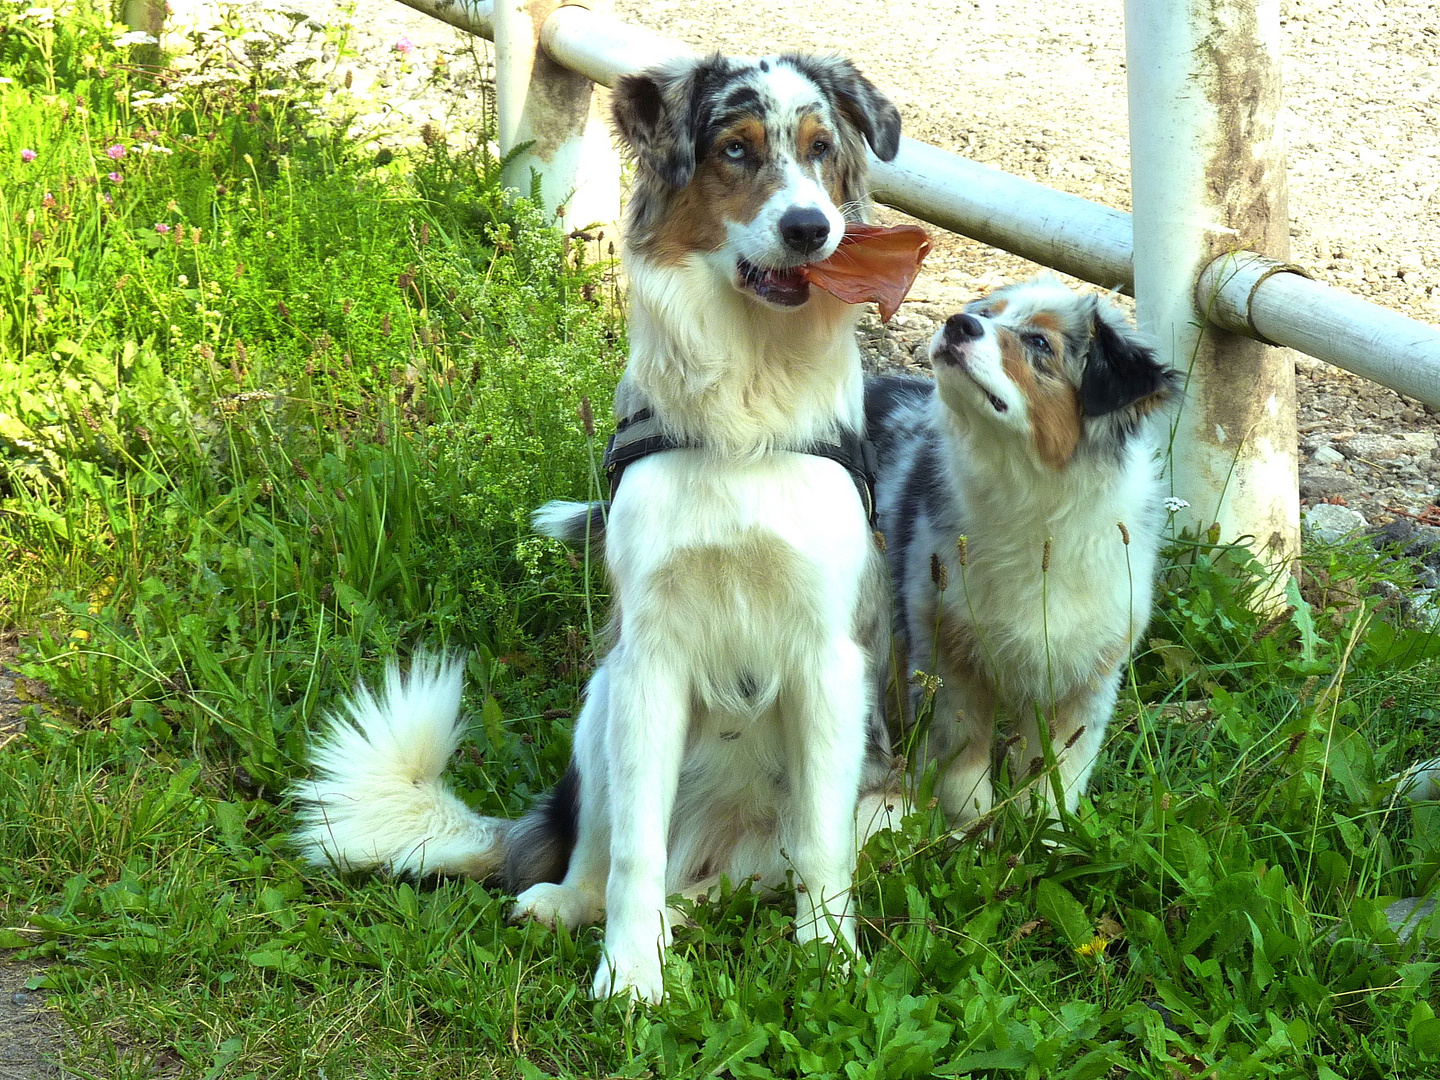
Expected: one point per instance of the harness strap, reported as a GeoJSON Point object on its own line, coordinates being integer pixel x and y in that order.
{"type": "Point", "coordinates": [640, 435]}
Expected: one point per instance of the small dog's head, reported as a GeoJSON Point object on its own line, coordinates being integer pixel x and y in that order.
{"type": "Point", "coordinates": [753, 166]}
{"type": "Point", "coordinates": [1064, 373]}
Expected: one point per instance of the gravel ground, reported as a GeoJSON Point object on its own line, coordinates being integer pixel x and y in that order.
{"type": "Point", "coordinates": [1038, 89]}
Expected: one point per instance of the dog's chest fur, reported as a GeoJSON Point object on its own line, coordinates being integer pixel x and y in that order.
{"type": "Point", "coordinates": [1050, 624]}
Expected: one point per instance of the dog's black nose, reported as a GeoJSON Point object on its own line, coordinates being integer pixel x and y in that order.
{"type": "Point", "coordinates": [804, 229]}
{"type": "Point", "coordinates": [963, 326]}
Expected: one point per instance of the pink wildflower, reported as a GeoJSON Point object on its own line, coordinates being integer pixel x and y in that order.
{"type": "Point", "coordinates": [115, 153]}
{"type": "Point", "coordinates": [48, 200]}
{"type": "Point", "coordinates": [114, 177]}
{"type": "Point", "coordinates": [28, 155]}
{"type": "Point", "coordinates": [404, 46]}
{"type": "Point", "coordinates": [161, 227]}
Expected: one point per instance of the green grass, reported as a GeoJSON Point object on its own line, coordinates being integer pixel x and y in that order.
{"type": "Point", "coordinates": [245, 459]}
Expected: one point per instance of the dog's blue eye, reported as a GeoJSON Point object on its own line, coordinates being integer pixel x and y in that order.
{"type": "Point", "coordinates": [1039, 342]}
{"type": "Point", "coordinates": [735, 150]}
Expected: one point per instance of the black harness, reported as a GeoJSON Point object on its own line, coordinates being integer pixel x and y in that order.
{"type": "Point", "coordinates": [639, 435]}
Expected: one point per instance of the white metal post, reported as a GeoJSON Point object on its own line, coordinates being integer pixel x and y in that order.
{"type": "Point", "coordinates": [1207, 167]}
{"type": "Point", "coordinates": [541, 103]}
{"type": "Point", "coordinates": [147, 17]}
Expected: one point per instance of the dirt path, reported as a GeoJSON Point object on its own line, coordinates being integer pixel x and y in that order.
{"type": "Point", "coordinates": [31, 1036]}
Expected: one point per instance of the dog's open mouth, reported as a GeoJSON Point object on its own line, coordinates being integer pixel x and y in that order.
{"type": "Point", "coordinates": [785, 288]}
{"type": "Point", "coordinates": [953, 357]}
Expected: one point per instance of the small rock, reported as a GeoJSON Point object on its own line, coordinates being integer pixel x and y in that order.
{"type": "Point", "coordinates": [1408, 915]}
{"type": "Point", "coordinates": [1331, 523]}
{"type": "Point", "coordinates": [1318, 483]}
{"type": "Point", "coordinates": [1327, 455]}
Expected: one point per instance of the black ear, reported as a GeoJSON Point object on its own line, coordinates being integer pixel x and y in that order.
{"type": "Point", "coordinates": [872, 113]}
{"type": "Point", "coordinates": [1119, 369]}
{"type": "Point", "coordinates": [653, 127]}
{"type": "Point", "coordinates": [856, 99]}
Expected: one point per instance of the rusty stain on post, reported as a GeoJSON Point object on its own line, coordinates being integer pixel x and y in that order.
{"type": "Point", "coordinates": [560, 99]}
{"type": "Point", "coordinates": [552, 112]}
{"type": "Point", "coordinates": [1252, 391]}
{"type": "Point", "coordinates": [1207, 163]}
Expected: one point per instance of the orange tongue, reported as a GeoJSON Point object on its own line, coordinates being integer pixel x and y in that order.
{"type": "Point", "coordinates": [872, 263]}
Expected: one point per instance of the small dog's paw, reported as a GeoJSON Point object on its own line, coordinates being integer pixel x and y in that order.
{"type": "Point", "coordinates": [641, 981]}
{"type": "Point", "coordinates": [555, 905]}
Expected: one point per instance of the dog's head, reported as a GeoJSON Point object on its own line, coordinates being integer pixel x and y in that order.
{"type": "Point", "coordinates": [1060, 372]}
{"type": "Point", "coordinates": [751, 165]}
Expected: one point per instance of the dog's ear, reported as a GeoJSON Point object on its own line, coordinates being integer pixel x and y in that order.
{"type": "Point", "coordinates": [856, 99]}
{"type": "Point", "coordinates": [872, 112]}
{"type": "Point", "coordinates": [650, 128]}
{"type": "Point", "coordinates": [1120, 369]}
{"type": "Point", "coordinates": [660, 113]}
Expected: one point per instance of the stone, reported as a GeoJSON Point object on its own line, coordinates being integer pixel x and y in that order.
{"type": "Point", "coordinates": [1327, 455]}
{"type": "Point", "coordinates": [1332, 523]}
{"type": "Point", "coordinates": [1409, 914]}
{"type": "Point", "coordinates": [1316, 483]}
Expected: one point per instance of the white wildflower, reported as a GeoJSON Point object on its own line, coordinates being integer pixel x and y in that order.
{"type": "Point", "coordinates": [1174, 505]}
{"type": "Point", "coordinates": [135, 37]}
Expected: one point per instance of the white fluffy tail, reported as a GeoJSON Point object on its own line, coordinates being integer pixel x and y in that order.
{"type": "Point", "coordinates": [377, 800]}
{"type": "Point", "coordinates": [573, 522]}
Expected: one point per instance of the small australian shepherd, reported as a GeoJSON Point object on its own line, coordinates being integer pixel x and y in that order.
{"type": "Point", "coordinates": [1020, 502]}
{"type": "Point", "coordinates": [733, 729]}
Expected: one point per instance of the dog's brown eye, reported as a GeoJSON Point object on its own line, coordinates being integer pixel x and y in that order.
{"type": "Point", "coordinates": [819, 148]}
{"type": "Point", "coordinates": [735, 150]}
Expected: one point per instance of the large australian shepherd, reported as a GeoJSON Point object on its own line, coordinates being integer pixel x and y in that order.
{"type": "Point", "coordinates": [732, 729]}
{"type": "Point", "coordinates": [1021, 504]}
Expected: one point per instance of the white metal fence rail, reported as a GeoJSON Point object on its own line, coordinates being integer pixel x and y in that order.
{"type": "Point", "coordinates": [1230, 291]}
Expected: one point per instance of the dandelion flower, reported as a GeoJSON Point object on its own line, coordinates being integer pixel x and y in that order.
{"type": "Point", "coordinates": [115, 152]}
{"type": "Point", "coordinates": [80, 635]}
{"type": "Point", "coordinates": [1092, 949]}
{"type": "Point", "coordinates": [28, 155]}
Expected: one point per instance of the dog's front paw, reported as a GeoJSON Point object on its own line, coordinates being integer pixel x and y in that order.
{"type": "Point", "coordinates": [556, 905]}
{"type": "Point", "coordinates": [641, 979]}
{"type": "Point", "coordinates": [836, 950]}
